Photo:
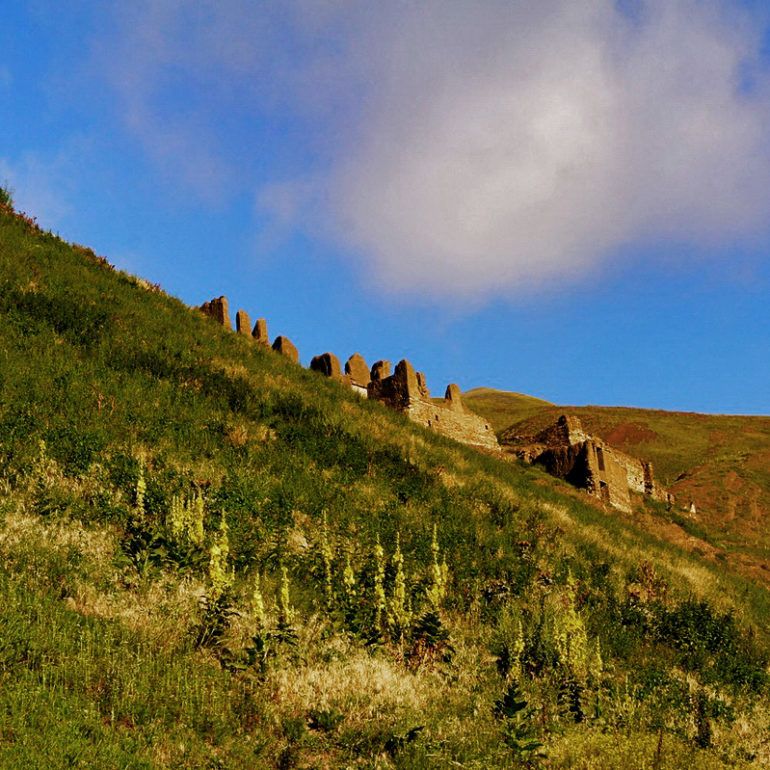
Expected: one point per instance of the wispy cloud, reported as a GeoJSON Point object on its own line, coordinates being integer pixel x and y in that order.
{"type": "Point", "coordinates": [470, 148]}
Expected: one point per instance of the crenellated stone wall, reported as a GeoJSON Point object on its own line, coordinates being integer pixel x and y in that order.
{"type": "Point", "coordinates": [405, 390]}
{"type": "Point", "coordinates": [564, 449]}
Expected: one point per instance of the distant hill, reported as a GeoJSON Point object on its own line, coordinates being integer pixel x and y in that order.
{"type": "Point", "coordinates": [719, 462]}
{"type": "Point", "coordinates": [501, 407]}
{"type": "Point", "coordinates": [212, 557]}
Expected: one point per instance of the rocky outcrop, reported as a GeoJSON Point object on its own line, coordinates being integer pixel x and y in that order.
{"type": "Point", "coordinates": [285, 347]}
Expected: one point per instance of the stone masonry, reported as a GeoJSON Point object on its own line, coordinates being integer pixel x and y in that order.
{"type": "Point", "coordinates": [358, 374]}
{"type": "Point", "coordinates": [218, 310]}
{"type": "Point", "coordinates": [260, 332]}
{"type": "Point", "coordinates": [566, 451]}
{"type": "Point", "coordinates": [329, 365]}
{"type": "Point", "coordinates": [285, 347]}
{"type": "Point", "coordinates": [242, 323]}
{"type": "Point", "coordinates": [405, 390]}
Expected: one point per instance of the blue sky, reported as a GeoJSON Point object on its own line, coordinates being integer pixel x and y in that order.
{"type": "Point", "coordinates": [571, 202]}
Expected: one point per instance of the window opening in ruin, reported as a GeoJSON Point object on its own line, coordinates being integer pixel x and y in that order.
{"type": "Point", "coordinates": [600, 458]}
{"type": "Point", "coordinates": [604, 491]}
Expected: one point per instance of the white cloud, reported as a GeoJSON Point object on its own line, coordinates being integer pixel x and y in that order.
{"type": "Point", "coordinates": [473, 149]}
{"type": "Point", "coordinates": [512, 147]}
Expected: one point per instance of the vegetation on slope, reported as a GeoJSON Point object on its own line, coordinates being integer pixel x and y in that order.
{"type": "Point", "coordinates": [210, 557]}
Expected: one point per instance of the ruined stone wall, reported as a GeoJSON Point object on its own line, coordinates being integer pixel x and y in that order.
{"type": "Point", "coordinates": [218, 309]}
{"type": "Point", "coordinates": [405, 390]}
{"type": "Point", "coordinates": [565, 450]}
{"type": "Point", "coordinates": [460, 425]}
{"type": "Point", "coordinates": [607, 475]}
{"type": "Point", "coordinates": [566, 430]}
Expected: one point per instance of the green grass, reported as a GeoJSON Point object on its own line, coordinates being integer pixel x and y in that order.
{"type": "Point", "coordinates": [109, 657]}
{"type": "Point", "coordinates": [502, 408]}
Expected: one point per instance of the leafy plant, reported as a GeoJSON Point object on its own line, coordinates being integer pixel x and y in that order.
{"type": "Point", "coordinates": [519, 734]}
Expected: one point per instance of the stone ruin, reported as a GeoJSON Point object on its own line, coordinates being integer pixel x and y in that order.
{"type": "Point", "coordinates": [358, 374]}
{"type": "Point", "coordinates": [563, 449]}
{"type": "Point", "coordinates": [285, 347]}
{"type": "Point", "coordinates": [566, 451]}
{"type": "Point", "coordinates": [260, 332]}
{"type": "Point", "coordinates": [242, 323]}
{"type": "Point", "coordinates": [218, 310]}
{"type": "Point", "coordinates": [404, 391]}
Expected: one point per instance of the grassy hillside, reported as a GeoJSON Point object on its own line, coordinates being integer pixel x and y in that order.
{"type": "Point", "coordinates": [210, 557]}
{"type": "Point", "coordinates": [719, 462]}
{"type": "Point", "coordinates": [501, 407]}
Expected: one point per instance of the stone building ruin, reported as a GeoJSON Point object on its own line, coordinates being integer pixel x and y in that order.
{"type": "Point", "coordinates": [404, 391]}
{"type": "Point", "coordinates": [563, 449]}
{"type": "Point", "coordinates": [566, 451]}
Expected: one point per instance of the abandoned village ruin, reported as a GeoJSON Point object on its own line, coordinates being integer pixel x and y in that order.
{"type": "Point", "coordinates": [563, 449]}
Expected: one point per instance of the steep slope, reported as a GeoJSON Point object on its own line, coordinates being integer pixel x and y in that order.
{"type": "Point", "coordinates": [211, 557]}
{"type": "Point", "coordinates": [719, 462]}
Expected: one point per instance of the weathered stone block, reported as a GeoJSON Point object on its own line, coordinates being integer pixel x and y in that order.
{"type": "Point", "coordinates": [422, 385]}
{"type": "Point", "coordinates": [285, 347]}
{"type": "Point", "coordinates": [454, 398]}
{"type": "Point", "coordinates": [380, 370]}
{"type": "Point", "coordinates": [327, 364]}
{"type": "Point", "coordinates": [358, 371]}
{"type": "Point", "coordinates": [218, 310]}
{"type": "Point", "coordinates": [260, 332]}
{"type": "Point", "coordinates": [243, 323]}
